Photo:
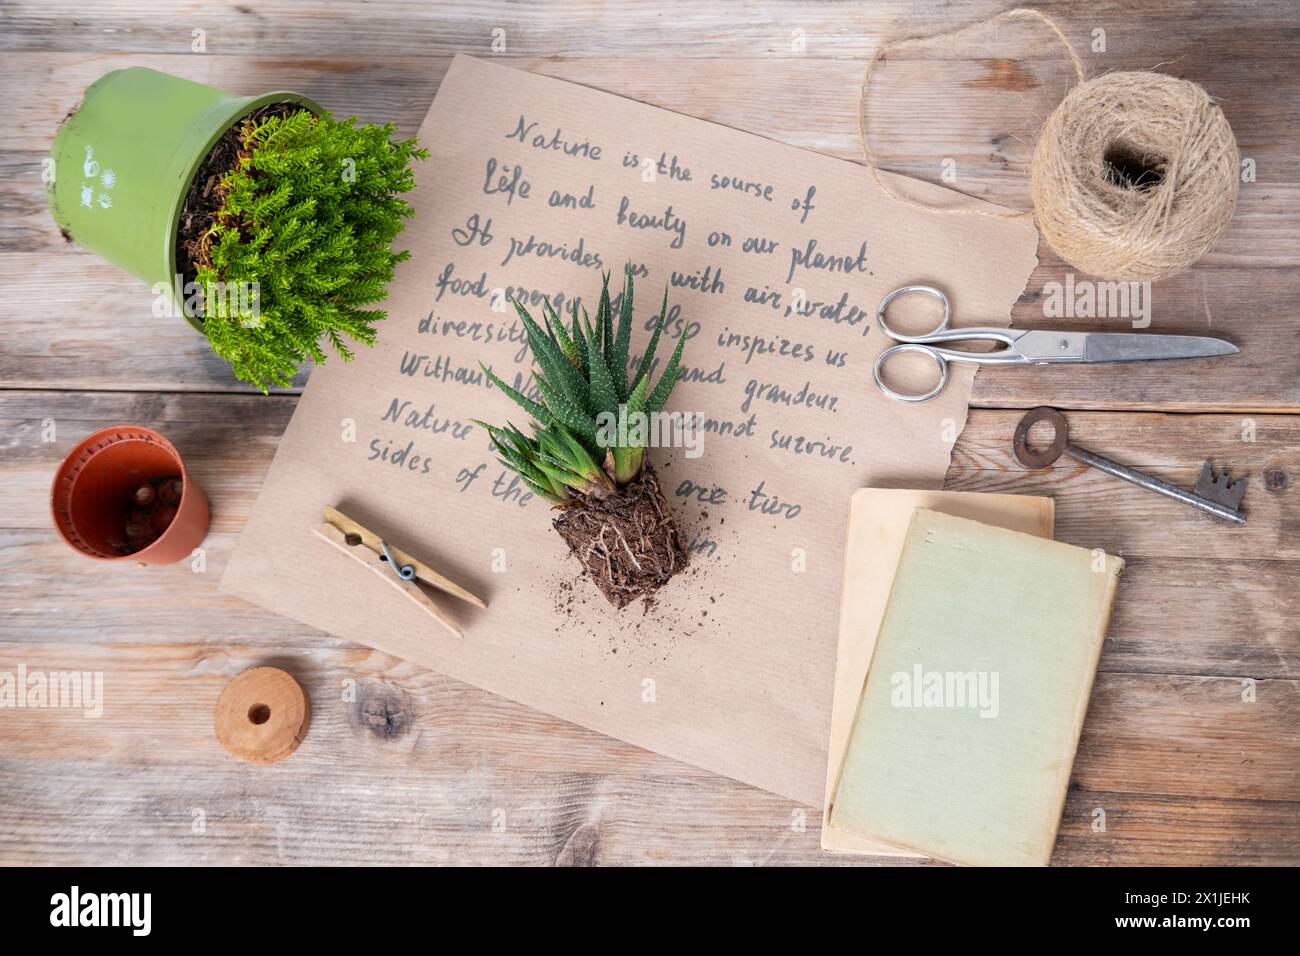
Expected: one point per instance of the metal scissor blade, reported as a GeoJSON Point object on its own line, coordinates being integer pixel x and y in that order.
{"type": "Point", "coordinates": [1129, 347]}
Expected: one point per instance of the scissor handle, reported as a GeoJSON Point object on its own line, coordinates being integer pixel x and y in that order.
{"type": "Point", "coordinates": [912, 343]}
{"type": "Point", "coordinates": [910, 347]}
{"type": "Point", "coordinates": [909, 290]}
{"type": "Point", "coordinates": [930, 343]}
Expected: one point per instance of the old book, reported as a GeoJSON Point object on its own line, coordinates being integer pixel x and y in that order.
{"type": "Point", "coordinates": [877, 527]}
{"type": "Point", "coordinates": [966, 730]}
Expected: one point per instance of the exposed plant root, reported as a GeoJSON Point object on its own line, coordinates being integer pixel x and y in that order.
{"type": "Point", "coordinates": [627, 541]}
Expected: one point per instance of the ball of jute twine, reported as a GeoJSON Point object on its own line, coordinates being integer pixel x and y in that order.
{"type": "Point", "coordinates": [1134, 175]}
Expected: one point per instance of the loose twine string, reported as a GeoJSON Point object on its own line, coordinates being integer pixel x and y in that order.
{"type": "Point", "coordinates": [1020, 13]}
{"type": "Point", "coordinates": [1097, 220]}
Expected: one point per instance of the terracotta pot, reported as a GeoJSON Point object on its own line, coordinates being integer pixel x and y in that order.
{"type": "Point", "coordinates": [91, 495]}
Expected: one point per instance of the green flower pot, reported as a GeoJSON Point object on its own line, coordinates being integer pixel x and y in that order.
{"type": "Point", "coordinates": [124, 160]}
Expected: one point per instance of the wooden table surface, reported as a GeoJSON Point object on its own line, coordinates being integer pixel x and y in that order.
{"type": "Point", "coordinates": [1192, 741]}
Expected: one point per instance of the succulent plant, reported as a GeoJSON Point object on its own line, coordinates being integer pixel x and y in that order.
{"type": "Point", "coordinates": [584, 383]}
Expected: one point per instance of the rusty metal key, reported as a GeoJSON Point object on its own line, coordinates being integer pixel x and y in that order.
{"type": "Point", "coordinates": [1215, 495]}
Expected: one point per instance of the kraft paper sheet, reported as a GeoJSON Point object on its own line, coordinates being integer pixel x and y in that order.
{"type": "Point", "coordinates": [778, 259]}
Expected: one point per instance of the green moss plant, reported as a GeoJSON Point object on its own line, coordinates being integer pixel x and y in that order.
{"type": "Point", "coordinates": [307, 218]}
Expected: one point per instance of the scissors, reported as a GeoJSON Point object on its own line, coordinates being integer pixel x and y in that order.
{"type": "Point", "coordinates": [1024, 346]}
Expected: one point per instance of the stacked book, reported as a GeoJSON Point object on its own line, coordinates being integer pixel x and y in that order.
{"type": "Point", "coordinates": [968, 644]}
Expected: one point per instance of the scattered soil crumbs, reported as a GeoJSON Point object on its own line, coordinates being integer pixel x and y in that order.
{"type": "Point", "coordinates": [205, 195]}
{"type": "Point", "coordinates": [685, 609]}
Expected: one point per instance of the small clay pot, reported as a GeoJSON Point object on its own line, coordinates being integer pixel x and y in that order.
{"type": "Point", "coordinates": [93, 488]}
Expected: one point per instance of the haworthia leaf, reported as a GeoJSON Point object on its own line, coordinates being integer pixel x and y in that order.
{"type": "Point", "coordinates": [558, 369]}
{"type": "Point", "coordinates": [594, 332]}
{"type": "Point", "coordinates": [541, 492]}
{"type": "Point", "coordinates": [580, 339]}
{"type": "Point", "coordinates": [527, 470]}
{"type": "Point", "coordinates": [557, 489]}
{"type": "Point", "coordinates": [561, 448]}
{"type": "Point", "coordinates": [520, 460]}
{"type": "Point", "coordinates": [586, 464]}
{"type": "Point", "coordinates": [558, 472]}
{"type": "Point", "coordinates": [511, 443]}
{"type": "Point", "coordinates": [604, 321]}
{"type": "Point", "coordinates": [546, 440]}
{"type": "Point", "coordinates": [647, 360]}
{"type": "Point", "coordinates": [627, 464]}
{"type": "Point", "coordinates": [669, 378]}
{"type": "Point", "coordinates": [603, 393]}
{"type": "Point", "coordinates": [519, 463]}
{"type": "Point", "coordinates": [618, 361]}
{"type": "Point", "coordinates": [561, 335]}
{"type": "Point", "coordinates": [628, 458]}
{"type": "Point", "coordinates": [522, 441]}
{"type": "Point", "coordinates": [574, 446]}
{"type": "Point", "coordinates": [636, 402]}
{"type": "Point", "coordinates": [622, 463]}
{"type": "Point", "coordinates": [564, 411]}
{"type": "Point", "coordinates": [492, 430]}
{"type": "Point", "coordinates": [542, 416]}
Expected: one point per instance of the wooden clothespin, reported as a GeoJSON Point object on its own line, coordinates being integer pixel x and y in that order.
{"type": "Point", "coordinates": [395, 566]}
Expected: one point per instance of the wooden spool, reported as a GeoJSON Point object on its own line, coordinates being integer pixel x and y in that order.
{"type": "Point", "coordinates": [262, 715]}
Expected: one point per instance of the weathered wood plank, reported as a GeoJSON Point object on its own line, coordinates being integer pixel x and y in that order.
{"type": "Point", "coordinates": [1174, 831]}
{"type": "Point", "coordinates": [1192, 737]}
{"type": "Point", "coordinates": [987, 130]}
{"type": "Point", "coordinates": [1216, 617]}
{"type": "Point", "coordinates": [750, 28]}
{"type": "Point", "coordinates": [1252, 308]}
{"type": "Point", "coordinates": [455, 761]}
{"type": "Point", "coordinates": [230, 440]}
{"type": "Point", "coordinates": [72, 318]}
{"type": "Point", "coordinates": [1186, 768]}
{"type": "Point", "coordinates": [469, 777]}
{"type": "Point", "coordinates": [1199, 597]}
{"type": "Point", "coordinates": [807, 102]}
{"type": "Point", "coordinates": [1213, 616]}
{"type": "Point", "coordinates": [114, 341]}
{"type": "Point", "coordinates": [337, 816]}
{"type": "Point", "coordinates": [1142, 733]}
{"type": "Point", "coordinates": [95, 329]}
{"type": "Point", "coordinates": [1097, 510]}
{"type": "Point", "coordinates": [285, 29]}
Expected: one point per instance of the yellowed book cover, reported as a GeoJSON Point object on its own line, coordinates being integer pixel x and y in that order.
{"type": "Point", "coordinates": [877, 527]}
{"type": "Point", "coordinates": [966, 731]}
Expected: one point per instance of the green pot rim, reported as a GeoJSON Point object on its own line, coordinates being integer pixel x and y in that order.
{"type": "Point", "coordinates": [220, 119]}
